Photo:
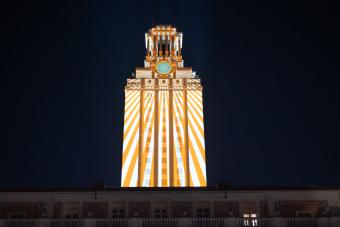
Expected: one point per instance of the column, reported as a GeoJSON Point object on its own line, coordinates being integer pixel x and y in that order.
{"type": "Point", "coordinates": [141, 132]}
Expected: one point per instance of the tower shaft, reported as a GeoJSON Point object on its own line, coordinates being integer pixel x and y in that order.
{"type": "Point", "coordinates": [163, 123]}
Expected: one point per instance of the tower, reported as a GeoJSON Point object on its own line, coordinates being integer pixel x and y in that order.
{"type": "Point", "coordinates": [163, 142]}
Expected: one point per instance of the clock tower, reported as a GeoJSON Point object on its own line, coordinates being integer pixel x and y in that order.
{"type": "Point", "coordinates": [163, 141]}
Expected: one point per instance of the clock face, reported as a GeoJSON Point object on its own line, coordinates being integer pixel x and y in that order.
{"type": "Point", "coordinates": [163, 67]}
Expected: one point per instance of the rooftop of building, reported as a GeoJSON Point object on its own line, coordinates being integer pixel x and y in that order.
{"type": "Point", "coordinates": [101, 187]}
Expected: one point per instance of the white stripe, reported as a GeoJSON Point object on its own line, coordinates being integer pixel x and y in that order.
{"type": "Point", "coordinates": [160, 140]}
{"type": "Point", "coordinates": [178, 114]}
{"type": "Point", "coordinates": [148, 102]}
{"type": "Point", "coordinates": [129, 104]}
{"type": "Point", "coordinates": [197, 151]}
{"type": "Point", "coordinates": [192, 105]}
{"type": "Point", "coordinates": [148, 124]}
{"type": "Point", "coordinates": [193, 116]}
{"type": "Point", "coordinates": [196, 101]}
{"type": "Point", "coordinates": [197, 94]}
{"type": "Point", "coordinates": [148, 166]}
{"type": "Point", "coordinates": [132, 96]}
{"type": "Point", "coordinates": [129, 135]}
{"type": "Point", "coordinates": [129, 157]}
{"type": "Point", "coordinates": [179, 101]}
{"type": "Point", "coordinates": [180, 165]}
{"type": "Point", "coordinates": [133, 182]}
{"type": "Point", "coordinates": [167, 128]}
{"type": "Point", "coordinates": [199, 135]}
{"type": "Point", "coordinates": [193, 172]}
{"type": "Point", "coordinates": [131, 118]}
{"type": "Point", "coordinates": [132, 111]}
{"type": "Point", "coordinates": [129, 95]}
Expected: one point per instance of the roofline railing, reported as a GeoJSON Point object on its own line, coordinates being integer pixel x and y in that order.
{"type": "Point", "coordinates": [174, 222]}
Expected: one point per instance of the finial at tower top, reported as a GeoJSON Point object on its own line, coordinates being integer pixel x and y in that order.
{"type": "Point", "coordinates": [163, 54]}
{"type": "Point", "coordinates": [163, 41]}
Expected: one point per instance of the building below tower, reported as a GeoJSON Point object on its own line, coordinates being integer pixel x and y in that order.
{"type": "Point", "coordinates": [170, 207]}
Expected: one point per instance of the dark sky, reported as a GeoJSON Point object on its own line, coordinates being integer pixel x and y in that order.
{"type": "Point", "coordinates": [270, 73]}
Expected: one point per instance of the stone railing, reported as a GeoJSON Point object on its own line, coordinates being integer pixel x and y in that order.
{"type": "Point", "coordinates": [64, 223]}
{"type": "Point", "coordinates": [19, 222]}
{"type": "Point", "coordinates": [162, 222]}
{"type": "Point", "coordinates": [173, 222]}
{"type": "Point", "coordinates": [112, 222]}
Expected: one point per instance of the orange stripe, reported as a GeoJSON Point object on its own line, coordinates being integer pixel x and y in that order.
{"type": "Point", "coordinates": [176, 184]}
{"type": "Point", "coordinates": [126, 131]}
{"type": "Point", "coordinates": [129, 100]}
{"type": "Point", "coordinates": [128, 127]}
{"type": "Point", "coordinates": [160, 138]}
{"type": "Point", "coordinates": [127, 149]}
{"type": "Point", "coordinates": [200, 146]}
{"type": "Point", "coordinates": [128, 176]}
{"type": "Point", "coordinates": [179, 135]}
{"type": "Point", "coordinates": [197, 103]}
{"type": "Point", "coordinates": [194, 95]}
{"type": "Point", "coordinates": [129, 95]}
{"type": "Point", "coordinates": [152, 183]}
{"type": "Point", "coordinates": [196, 122]}
{"type": "Point", "coordinates": [147, 146]}
{"type": "Point", "coordinates": [197, 165]}
{"type": "Point", "coordinates": [191, 106]}
{"type": "Point", "coordinates": [164, 150]}
{"type": "Point", "coordinates": [197, 94]}
{"type": "Point", "coordinates": [180, 99]}
{"type": "Point", "coordinates": [148, 106]}
{"type": "Point", "coordinates": [191, 182]}
{"type": "Point", "coordinates": [134, 105]}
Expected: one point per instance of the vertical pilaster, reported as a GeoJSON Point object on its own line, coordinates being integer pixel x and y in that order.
{"type": "Point", "coordinates": [179, 48]}
{"type": "Point", "coordinates": [186, 134]}
{"type": "Point", "coordinates": [147, 47]}
{"type": "Point", "coordinates": [166, 45]}
{"type": "Point", "coordinates": [156, 45]}
{"type": "Point", "coordinates": [141, 132]}
{"type": "Point", "coordinates": [155, 153]}
{"type": "Point", "coordinates": [171, 135]}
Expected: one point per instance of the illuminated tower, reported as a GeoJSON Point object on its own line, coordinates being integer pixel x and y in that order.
{"type": "Point", "coordinates": [163, 122]}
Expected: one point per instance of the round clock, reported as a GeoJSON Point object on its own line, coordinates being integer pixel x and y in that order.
{"type": "Point", "coordinates": [163, 67]}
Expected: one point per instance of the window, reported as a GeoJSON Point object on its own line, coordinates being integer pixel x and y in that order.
{"type": "Point", "coordinates": [72, 210]}
{"type": "Point", "coordinates": [203, 212]}
{"type": "Point", "coordinates": [249, 220]}
{"type": "Point", "coordinates": [118, 213]}
{"type": "Point", "coordinates": [71, 216]}
{"type": "Point", "coordinates": [16, 215]}
{"type": "Point", "coordinates": [305, 214]}
{"type": "Point", "coordinates": [160, 213]}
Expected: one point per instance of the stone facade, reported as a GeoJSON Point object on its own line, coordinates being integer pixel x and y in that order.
{"type": "Point", "coordinates": [215, 206]}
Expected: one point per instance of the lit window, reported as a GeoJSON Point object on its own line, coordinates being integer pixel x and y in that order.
{"type": "Point", "coordinates": [246, 222]}
{"type": "Point", "coordinates": [249, 220]}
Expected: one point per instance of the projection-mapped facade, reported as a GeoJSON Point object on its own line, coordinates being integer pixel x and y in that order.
{"type": "Point", "coordinates": [163, 122]}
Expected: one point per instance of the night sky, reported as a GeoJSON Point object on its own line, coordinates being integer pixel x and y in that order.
{"type": "Point", "coordinates": [270, 73]}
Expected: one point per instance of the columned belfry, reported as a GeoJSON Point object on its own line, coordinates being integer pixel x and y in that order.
{"type": "Point", "coordinates": [163, 122]}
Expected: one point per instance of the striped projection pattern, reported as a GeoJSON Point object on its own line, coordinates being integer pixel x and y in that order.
{"type": "Point", "coordinates": [163, 134]}
{"type": "Point", "coordinates": [163, 142]}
